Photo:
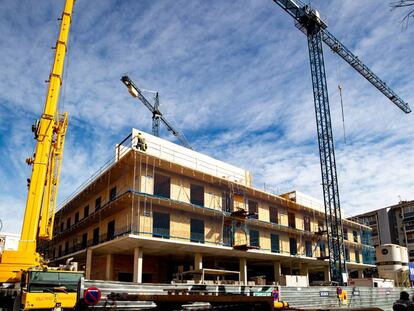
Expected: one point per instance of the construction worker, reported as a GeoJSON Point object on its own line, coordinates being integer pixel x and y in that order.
{"type": "Point", "coordinates": [404, 303]}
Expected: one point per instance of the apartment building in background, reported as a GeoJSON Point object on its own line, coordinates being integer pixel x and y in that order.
{"type": "Point", "coordinates": [393, 224]}
{"type": "Point", "coordinates": [159, 211]}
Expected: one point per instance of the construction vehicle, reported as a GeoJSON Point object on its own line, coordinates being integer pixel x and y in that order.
{"type": "Point", "coordinates": [24, 276]}
{"type": "Point", "coordinates": [308, 20]}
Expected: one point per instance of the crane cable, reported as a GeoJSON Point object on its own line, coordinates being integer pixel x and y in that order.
{"type": "Point", "coordinates": [340, 88]}
{"type": "Point", "coordinates": [342, 109]}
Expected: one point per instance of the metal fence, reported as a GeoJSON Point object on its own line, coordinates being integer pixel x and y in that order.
{"type": "Point", "coordinates": [326, 297]}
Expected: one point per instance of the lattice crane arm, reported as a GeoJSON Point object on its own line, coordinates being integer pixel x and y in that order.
{"type": "Point", "coordinates": [359, 66]}
{"type": "Point", "coordinates": [136, 92]}
{"type": "Point", "coordinates": [304, 13]}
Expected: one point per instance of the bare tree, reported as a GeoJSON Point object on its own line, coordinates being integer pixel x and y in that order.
{"type": "Point", "coordinates": [408, 5]}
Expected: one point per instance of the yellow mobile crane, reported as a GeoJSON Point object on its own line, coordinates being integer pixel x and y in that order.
{"type": "Point", "coordinates": [38, 286]}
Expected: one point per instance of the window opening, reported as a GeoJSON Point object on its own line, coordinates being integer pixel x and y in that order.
{"type": "Point", "coordinates": [110, 233]}
{"type": "Point", "coordinates": [291, 220]}
{"type": "Point", "coordinates": [293, 246]}
{"type": "Point", "coordinates": [253, 209]}
{"type": "Point", "coordinates": [96, 236]}
{"type": "Point", "coordinates": [197, 195]}
{"type": "Point", "coordinates": [274, 241]}
{"type": "Point", "coordinates": [197, 230]}
{"type": "Point", "coordinates": [98, 203]}
{"type": "Point", "coordinates": [112, 194]}
{"type": "Point", "coordinates": [273, 214]}
{"type": "Point", "coordinates": [161, 225]}
{"type": "Point", "coordinates": [254, 238]}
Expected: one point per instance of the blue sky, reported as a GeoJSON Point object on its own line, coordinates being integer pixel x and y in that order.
{"type": "Point", "coordinates": [234, 75]}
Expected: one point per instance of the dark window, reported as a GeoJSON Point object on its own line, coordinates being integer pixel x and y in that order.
{"type": "Point", "coordinates": [112, 194]}
{"type": "Point", "coordinates": [345, 234]}
{"type": "Point", "coordinates": [322, 249]}
{"type": "Point", "coordinates": [293, 246]}
{"type": "Point", "coordinates": [356, 256]}
{"type": "Point", "coordinates": [86, 211]}
{"type": "Point", "coordinates": [60, 251]}
{"type": "Point", "coordinates": [54, 253]}
{"type": "Point", "coordinates": [306, 223]}
{"type": "Point", "coordinates": [197, 230]}
{"type": "Point", "coordinates": [68, 223]}
{"type": "Point", "coordinates": [76, 217]}
{"type": "Point", "coordinates": [254, 238]}
{"type": "Point", "coordinates": [161, 225]}
{"type": "Point", "coordinates": [355, 234]}
{"type": "Point", "coordinates": [98, 202]}
{"type": "Point", "coordinates": [66, 247]}
{"type": "Point", "coordinates": [125, 276]}
{"type": "Point", "coordinates": [197, 195]}
{"type": "Point", "coordinates": [162, 186]}
{"type": "Point", "coordinates": [227, 236]}
{"type": "Point", "coordinates": [95, 236]}
{"type": "Point", "coordinates": [147, 278]}
{"type": "Point", "coordinates": [308, 248]}
{"type": "Point", "coordinates": [273, 214]}
{"type": "Point", "coordinates": [61, 226]}
{"type": "Point", "coordinates": [110, 233]}
{"type": "Point", "coordinates": [291, 220]}
{"type": "Point", "coordinates": [226, 202]}
{"type": "Point", "coordinates": [274, 243]}
{"type": "Point", "coordinates": [346, 253]}
{"type": "Point", "coordinates": [253, 209]}
{"type": "Point", "coordinates": [84, 240]}
{"type": "Point", "coordinates": [321, 225]}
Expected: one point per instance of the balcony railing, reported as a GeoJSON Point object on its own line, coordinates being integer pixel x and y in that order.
{"type": "Point", "coordinates": [197, 237]}
{"type": "Point", "coordinates": [161, 233]}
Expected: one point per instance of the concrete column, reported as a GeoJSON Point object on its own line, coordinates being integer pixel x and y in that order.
{"type": "Point", "coordinates": [277, 271]}
{"type": "Point", "coordinates": [109, 267]}
{"type": "Point", "coordinates": [360, 274]}
{"type": "Point", "coordinates": [304, 269]}
{"type": "Point", "coordinates": [198, 265]}
{"type": "Point", "coordinates": [138, 254]}
{"type": "Point", "coordinates": [243, 271]}
{"type": "Point", "coordinates": [88, 263]}
{"type": "Point", "coordinates": [327, 273]}
{"type": "Point", "coordinates": [198, 261]}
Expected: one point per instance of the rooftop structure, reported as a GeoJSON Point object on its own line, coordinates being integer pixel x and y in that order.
{"type": "Point", "coordinates": [159, 212]}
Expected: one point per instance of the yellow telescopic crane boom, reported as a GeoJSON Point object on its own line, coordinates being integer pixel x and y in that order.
{"type": "Point", "coordinates": [41, 199]}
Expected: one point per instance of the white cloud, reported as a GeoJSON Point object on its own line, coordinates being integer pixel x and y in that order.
{"type": "Point", "coordinates": [234, 77]}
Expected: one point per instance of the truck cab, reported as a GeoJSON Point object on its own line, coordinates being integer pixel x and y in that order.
{"type": "Point", "coordinates": [49, 289]}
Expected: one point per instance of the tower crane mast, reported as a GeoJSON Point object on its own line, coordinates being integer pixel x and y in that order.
{"type": "Point", "coordinates": [309, 22]}
{"type": "Point", "coordinates": [157, 116]}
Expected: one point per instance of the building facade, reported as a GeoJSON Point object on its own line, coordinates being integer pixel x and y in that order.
{"type": "Point", "coordinates": [391, 225]}
{"type": "Point", "coordinates": [160, 212]}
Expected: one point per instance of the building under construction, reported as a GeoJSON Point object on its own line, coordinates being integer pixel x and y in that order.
{"type": "Point", "coordinates": [159, 212]}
